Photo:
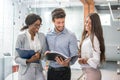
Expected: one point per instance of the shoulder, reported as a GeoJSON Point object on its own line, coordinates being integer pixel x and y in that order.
{"type": "Point", "coordinates": [21, 35]}
{"type": "Point", "coordinates": [50, 33]}
{"type": "Point", "coordinates": [95, 38]}
{"type": "Point", "coordinates": [96, 41]}
{"type": "Point", "coordinates": [71, 36]}
{"type": "Point", "coordinates": [70, 33]}
{"type": "Point", "coordinates": [41, 35]}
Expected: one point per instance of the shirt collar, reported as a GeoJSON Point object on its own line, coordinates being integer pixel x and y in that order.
{"type": "Point", "coordinates": [62, 32]}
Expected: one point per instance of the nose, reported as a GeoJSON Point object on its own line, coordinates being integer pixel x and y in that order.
{"type": "Point", "coordinates": [61, 24]}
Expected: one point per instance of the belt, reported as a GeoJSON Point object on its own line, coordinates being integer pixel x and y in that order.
{"type": "Point", "coordinates": [58, 68]}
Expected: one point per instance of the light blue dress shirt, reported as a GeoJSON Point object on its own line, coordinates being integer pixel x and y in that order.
{"type": "Point", "coordinates": [64, 42]}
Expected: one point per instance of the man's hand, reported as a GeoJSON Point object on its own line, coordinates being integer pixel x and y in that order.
{"type": "Point", "coordinates": [46, 53]}
{"type": "Point", "coordinates": [62, 62]}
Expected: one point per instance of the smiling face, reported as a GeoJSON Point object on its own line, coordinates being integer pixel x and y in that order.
{"type": "Point", "coordinates": [59, 24]}
{"type": "Point", "coordinates": [34, 28]}
{"type": "Point", "coordinates": [88, 25]}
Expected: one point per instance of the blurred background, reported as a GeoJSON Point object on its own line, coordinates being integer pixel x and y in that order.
{"type": "Point", "coordinates": [13, 13]}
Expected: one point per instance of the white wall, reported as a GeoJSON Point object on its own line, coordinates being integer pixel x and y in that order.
{"type": "Point", "coordinates": [73, 21]}
{"type": "Point", "coordinates": [10, 24]}
{"type": "Point", "coordinates": [111, 35]}
{"type": "Point", "coordinates": [11, 21]}
{"type": "Point", "coordinates": [6, 9]}
{"type": "Point", "coordinates": [1, 24]}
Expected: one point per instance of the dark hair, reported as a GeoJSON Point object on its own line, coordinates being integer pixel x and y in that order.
{"type": "Point", "coordinates": [58, 13]}
{"type": "Point", "coordinates": [30, 19]}
{"type": "Point", "coordinates": [96, 29]}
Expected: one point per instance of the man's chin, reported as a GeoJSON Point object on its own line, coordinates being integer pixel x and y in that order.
{"type": "Point", "coordinates": [61, 29]}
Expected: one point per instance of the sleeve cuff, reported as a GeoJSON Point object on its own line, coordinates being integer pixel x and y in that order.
{"type": "Point", "coordinates": [92, 63]}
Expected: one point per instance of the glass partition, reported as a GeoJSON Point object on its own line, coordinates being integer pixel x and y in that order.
{"type": "Point", "coordinates": [13, 13]}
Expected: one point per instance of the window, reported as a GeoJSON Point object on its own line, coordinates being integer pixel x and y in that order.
{"type": "Point", "coordinates": [105, 19]}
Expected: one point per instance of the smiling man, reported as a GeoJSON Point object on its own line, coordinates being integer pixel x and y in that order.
{"type": "Point", "coordinates": [61, 40]}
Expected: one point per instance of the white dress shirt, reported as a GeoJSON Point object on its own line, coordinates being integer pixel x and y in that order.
{"type": "Point", "coordinates": [93, 54]}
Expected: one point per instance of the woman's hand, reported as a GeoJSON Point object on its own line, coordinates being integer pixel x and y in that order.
{"type": "Point", "coordinates": [62, 62]}
{"type": "Point", "coordinates": [37, 55]}
{"type": "Point", "coordinates": [82, 60]}
{"type": "Point", "coordinates": [34, 58]}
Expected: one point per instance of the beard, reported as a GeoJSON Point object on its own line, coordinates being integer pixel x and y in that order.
{"type": "Point", "coordinates": [59, 30]}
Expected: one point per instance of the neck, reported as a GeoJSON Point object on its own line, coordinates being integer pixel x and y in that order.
{"type": "Point", "coordinates": [88, 33]}
{"type": "Point", "coordinates": [57, 30]}
{"type": "Point", "coordinates": [32, 34]}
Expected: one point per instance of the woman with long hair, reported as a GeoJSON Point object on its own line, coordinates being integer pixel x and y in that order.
{"type": "Point", "coordinates": [92, 48]}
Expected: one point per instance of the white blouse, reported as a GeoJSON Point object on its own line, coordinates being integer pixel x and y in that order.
{"type": "Point", "coordinates": [34, 44]}
{"type": "Point", "coordinates": [93, 54]}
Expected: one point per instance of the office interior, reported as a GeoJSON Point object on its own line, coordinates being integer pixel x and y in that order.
{"type": "Point", "coordinates": [13, 13]}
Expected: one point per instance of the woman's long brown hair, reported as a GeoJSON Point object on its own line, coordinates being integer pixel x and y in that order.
{"type": "Point", "coordinates": [96, 29]}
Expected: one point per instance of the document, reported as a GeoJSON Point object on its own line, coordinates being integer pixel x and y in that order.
{"type": "Point", "coordinates": [53, 54]}
{"type": "Point", "coordinates": [26, 54]}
